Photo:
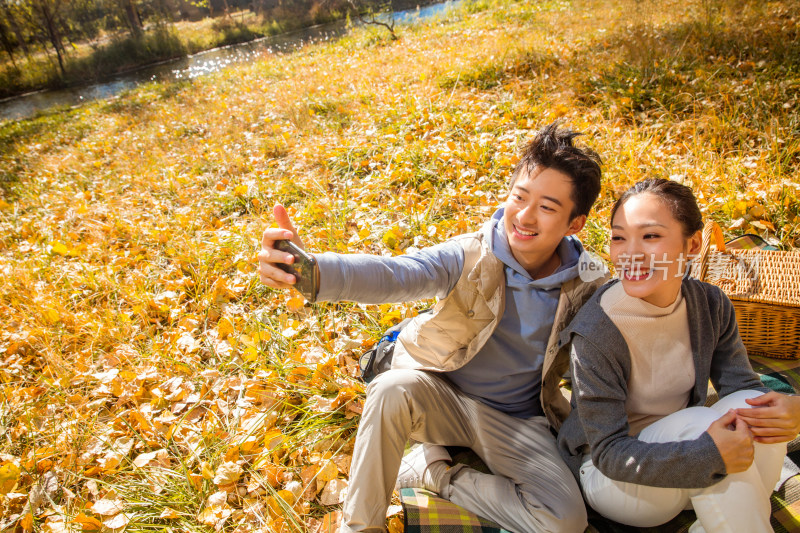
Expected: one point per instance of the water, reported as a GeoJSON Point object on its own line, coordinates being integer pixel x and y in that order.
{"type": "Point", "coordinates": [27, 105]}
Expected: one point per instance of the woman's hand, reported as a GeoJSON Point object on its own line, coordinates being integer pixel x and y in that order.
{"type": "Point", "coordinates": [734, 442]}
{"type": "Point", "coordinates": [774, 417]}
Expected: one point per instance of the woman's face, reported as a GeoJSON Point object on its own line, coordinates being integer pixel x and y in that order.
{"type": "Point", "coordinates": [649, 251]}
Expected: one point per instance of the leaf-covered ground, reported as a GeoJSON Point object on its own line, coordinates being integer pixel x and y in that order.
{"type": "Point", "coordinates": [148, 383]}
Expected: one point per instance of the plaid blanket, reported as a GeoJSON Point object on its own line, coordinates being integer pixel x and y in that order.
{"type": "Point", "coordinates": [748, 241]}
{"type": "Point", "coordinates": [425, 512]}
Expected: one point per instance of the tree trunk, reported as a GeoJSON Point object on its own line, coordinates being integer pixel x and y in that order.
{"type": "Point", "coordinates": [132, 16]}
{"type": "Point", "coordinates": [48, 17]}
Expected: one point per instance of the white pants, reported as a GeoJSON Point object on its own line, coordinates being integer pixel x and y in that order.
{"type": "Point", "coordinates": [530, 490]}
{"type": "Point", "coordinates": [740, 502]}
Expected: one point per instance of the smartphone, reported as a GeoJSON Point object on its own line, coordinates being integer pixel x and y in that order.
{"type": "Point", "coordinates": [304, 269]}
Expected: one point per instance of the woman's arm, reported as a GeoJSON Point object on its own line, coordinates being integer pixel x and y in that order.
{"type": "Point", "coordinates": [600, 391]}
{"type": "Point", "coordinates": [774, 417]}
{"type": "Point", "coordinates": [730, 369]}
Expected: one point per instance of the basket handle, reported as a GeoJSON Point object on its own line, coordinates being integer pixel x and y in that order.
{"type": "Point", "coordinates": [710, 230]}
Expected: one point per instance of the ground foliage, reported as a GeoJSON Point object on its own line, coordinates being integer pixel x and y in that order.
{"type": "Point", "coordinates": [150, 383]}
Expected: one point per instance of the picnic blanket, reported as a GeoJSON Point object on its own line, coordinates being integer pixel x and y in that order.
{"type": "Point", "coordinates": [425, 512]}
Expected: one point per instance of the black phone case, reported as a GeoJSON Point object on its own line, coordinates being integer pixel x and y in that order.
{"type": "Point", "coordinates": [304, 269]}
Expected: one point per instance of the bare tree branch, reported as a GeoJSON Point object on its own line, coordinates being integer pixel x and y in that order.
{"type": "Point", "coordinates": [372, 20]}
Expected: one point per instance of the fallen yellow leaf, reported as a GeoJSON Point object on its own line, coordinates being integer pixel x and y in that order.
{"type": "Point", "coordinates": [107, 507]}
{"type": "Point", "coordinates": [330, 523]}
{"type": "Point", "coordinates": [334, 492]}
{"type": "Point", "coordinates": [396, 525]}
{"type": "Point", "coordinates": [224, 327]}
{"type": "Point", "coordinates": [227, 473]}
{"type": "Point", "coordinates": [88, 523]}
{"type": "Point", "coordinates": [9, 473]}
{"type": "Point", "coordinates": [26, 523]}
{"type": "Point", "coordinates": [168, 513]}
{"type": "Point", "coordinates": [295, 304]}
{"type": "Point", "coordinates": [328, 472]}
{"type": "Point", "coordinates": [117, 522]}
{"type": "Point", "coordinates": [206, 471]}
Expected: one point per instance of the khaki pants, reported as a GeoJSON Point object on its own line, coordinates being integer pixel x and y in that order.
{"type": "Point", "coordinates": [530, 490]}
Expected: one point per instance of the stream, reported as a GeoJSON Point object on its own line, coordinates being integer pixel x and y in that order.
{"type": "Point", "coordinates": [27, 105]}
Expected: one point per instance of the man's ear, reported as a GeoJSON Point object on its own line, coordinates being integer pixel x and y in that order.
{"type": "Point", "coordinates": [576, 224]}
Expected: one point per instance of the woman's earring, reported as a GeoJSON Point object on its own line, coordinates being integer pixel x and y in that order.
{"type": "Point", "coordinates": [688, 272]}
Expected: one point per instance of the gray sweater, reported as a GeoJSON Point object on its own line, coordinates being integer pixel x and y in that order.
{"type": "Point", "coordinates": [601, 367]}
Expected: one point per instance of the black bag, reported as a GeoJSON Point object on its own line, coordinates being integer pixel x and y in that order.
{"type": "Point", "coordinates": [378, 359]}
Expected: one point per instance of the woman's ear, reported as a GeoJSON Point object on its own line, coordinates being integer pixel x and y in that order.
{"type": "Point", "coordinates": [695, 243]}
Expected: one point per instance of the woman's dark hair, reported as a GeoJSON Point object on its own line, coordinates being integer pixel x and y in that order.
{"type": "Point", "coordinates": [553, 148]}
{"type": "Point", "coordinates": [678, 198]}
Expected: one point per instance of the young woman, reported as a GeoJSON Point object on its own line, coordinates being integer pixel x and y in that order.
{"type": "Point", "coordinates": [639, 438]}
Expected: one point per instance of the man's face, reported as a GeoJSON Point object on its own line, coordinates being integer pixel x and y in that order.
{"type": "Point", "coordinates": [537, 216]}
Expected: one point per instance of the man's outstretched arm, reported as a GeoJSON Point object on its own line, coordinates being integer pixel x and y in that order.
{"type": "Point", "coordinates": [431, 272]}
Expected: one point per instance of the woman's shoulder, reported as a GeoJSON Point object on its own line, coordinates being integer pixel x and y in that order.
{"type": "Point", "coordinates": [700, 292]}
{"type": "Point", "coordinates": [591, 309]}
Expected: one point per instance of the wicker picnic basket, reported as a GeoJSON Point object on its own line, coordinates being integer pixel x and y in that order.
{"type": "Point", "coordinates": [764, 286]}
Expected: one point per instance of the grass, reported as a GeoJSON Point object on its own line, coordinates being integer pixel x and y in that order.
{"type": "Point", "coordinates": [142, 363]}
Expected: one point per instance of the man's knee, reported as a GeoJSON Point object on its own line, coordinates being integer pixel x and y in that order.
{"type": "Point", "coordinates": [577, 522]}
{"type": "Point", "coordinates": [395, 380]}
{"type": "Point", "coordinates": [567, 516]}
{"type": "Point", "coordinates": [556, 507]}
{"type": "Point", "coordinates": [392, 390]}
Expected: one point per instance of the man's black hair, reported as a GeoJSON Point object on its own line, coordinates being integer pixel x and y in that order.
{"type": "Point", "coordinates": [552, 147]}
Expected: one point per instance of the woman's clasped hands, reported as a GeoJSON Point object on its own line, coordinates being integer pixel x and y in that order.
{"type": "Point", "coordinates": [773, 417]}
{"type": "Point", "coordinates": [734, 441]}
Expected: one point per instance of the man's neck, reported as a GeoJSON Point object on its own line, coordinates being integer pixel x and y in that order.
{"type": "Point", "coordinates": [542, 269]}
{"type": "Point", "coordinates": [548, 268]}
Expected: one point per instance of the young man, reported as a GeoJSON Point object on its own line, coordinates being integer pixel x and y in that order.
{"type": "Point", "coordinates": [482, 370]}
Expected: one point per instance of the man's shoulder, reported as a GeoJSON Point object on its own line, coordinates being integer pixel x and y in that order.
{"type": "Point", "coordinates": [590, 319]}
{"type": "Point", "coordinates": [592, 274]}
{"type": "Point", "coordinates": [474, 245]}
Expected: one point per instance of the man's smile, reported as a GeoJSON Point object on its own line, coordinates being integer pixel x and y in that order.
{"type": "Point", "coordinates": [525, 233]}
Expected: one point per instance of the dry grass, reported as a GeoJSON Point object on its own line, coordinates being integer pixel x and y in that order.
{"type": "Point", "coordinates": [149, 382]}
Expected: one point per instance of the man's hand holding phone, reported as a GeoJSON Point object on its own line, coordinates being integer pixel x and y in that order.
{"type": "Point", "coordinates": [282, 263]}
